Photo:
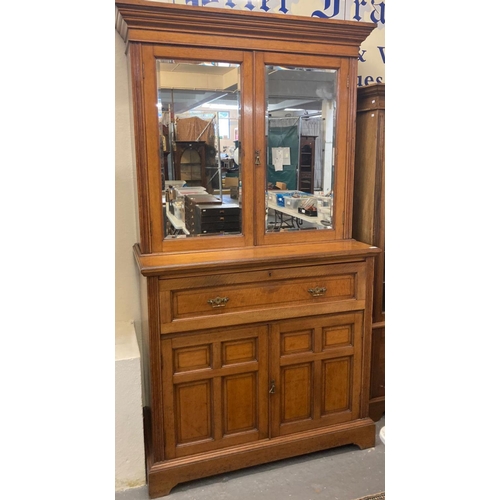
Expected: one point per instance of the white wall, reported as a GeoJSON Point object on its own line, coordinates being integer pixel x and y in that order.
{"type": "Point", "coordinates": [129, 440]}
{"type": "Point", "coordinates": [127, 305]}
{"type": "Point", "coordinates": [130, 469]}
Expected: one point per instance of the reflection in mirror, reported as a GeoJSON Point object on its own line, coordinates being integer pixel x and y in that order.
{"type": "Point", "coordinates": [198, 117]}
{"type": "Point", "coordinates": [300, 134]}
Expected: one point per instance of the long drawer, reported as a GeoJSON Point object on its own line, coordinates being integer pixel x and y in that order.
{"type": "Point", "coordinates": [235, 298]}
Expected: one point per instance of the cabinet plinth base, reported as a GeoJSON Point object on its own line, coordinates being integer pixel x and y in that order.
{"type": "Point", "coordinates": [163, 476]}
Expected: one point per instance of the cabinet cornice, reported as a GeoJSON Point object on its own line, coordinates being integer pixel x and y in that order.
{"type": "Point", "coordinates": [141, 20]}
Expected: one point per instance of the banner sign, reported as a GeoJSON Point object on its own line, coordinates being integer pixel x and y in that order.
{"type": "Point", "coordinates": [371, 67]}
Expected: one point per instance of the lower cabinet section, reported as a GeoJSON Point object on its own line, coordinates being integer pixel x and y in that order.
{"type": "Point", "coordinates": [249, 364]}
{"type": "Point", "coordinates": [239, 396]}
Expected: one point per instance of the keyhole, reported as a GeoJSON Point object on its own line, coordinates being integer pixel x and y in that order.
{"type": "Point", "coordinates": [272, 390]}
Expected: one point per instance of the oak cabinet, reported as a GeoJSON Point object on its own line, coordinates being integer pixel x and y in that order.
{"type": "Point", "coordinates": [369, 220]}
{"type": "Point", "coordinates": [255, 342]}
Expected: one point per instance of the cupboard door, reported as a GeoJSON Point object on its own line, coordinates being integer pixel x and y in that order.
{"type": "Point", "coordinates": [315, 372]}
{"type": "Point", "coordinates": [316, 86]}
{"type": "Point", "coordinates": [215, 390]}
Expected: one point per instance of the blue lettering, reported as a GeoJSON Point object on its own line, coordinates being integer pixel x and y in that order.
{"type": "Point", "coordinates": [336, 10]}
{"type": "Point", "coordinates": [381, 18]}
{"type": "Point", "coordinates": [382, 53]}
{"type": "Point", "coordinates": [231, 4]}
{"type": "Point", "coordinates": [368, 80]}
{"type": "Point", "coordinates": [264, 6]}
{"type": "Point", "coordinates": [249, 6]}
{"type": "Point", "coordinates": [360, 56]}
{"type": "Point", "coordinates": [358, 4]}
{"type": "Point", "coordinates": [192, 2]}
{"type": "Point", "coordinates": [373, 15]}
{"type": "Point", "coordinates": [283, 7]}
{"type": "Point", "coordinates": [205, 2]}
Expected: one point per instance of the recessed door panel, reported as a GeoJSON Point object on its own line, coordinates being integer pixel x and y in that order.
{"type": "Point", "coordinates": [194, 410]}
{"type": "Point", "coordinates": [239, 403]}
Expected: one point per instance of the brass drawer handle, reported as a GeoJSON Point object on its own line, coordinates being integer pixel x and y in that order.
{"type": "Point", "coordinates": [317, 292]}
{"type": "Point", "coordinates": [218, 301]}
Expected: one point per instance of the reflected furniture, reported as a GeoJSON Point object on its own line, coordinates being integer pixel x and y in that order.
{"type": "Point", "coordinates": [306, 164]}
{"type": "Point", "coordinates": [255, 346]}
{"type": "Point", "coordinates": [369, 220]}
{"type": "Point", "coordinates": [190, 162]}
{"type": "Point", "coordinates": [286, 217]}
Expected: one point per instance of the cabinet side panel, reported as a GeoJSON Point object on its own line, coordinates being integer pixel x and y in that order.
{"type": "Point", "coordinates": [145, 364]}
{"type": "Point", "coordinates": [136, 63]}
{"type": "Point", "coordinates": [364, 177]}
{"type": "Point", "coordinates": [155, 378]}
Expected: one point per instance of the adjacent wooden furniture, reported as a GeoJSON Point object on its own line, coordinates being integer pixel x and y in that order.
{"type": "Point", "coordinates": [190, 162]}
{"type": "Point", "coordinates": [368, 220]}
{"type": "Point", "coordinates": [255, 346]}
{"type": "Point", "coordinates": [306, 164]}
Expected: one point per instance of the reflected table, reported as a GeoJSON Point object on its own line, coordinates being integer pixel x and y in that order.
{"type": "Point", "coordinates": [176, 226]}
{"type": "Point", "coordinates": [287, 218]}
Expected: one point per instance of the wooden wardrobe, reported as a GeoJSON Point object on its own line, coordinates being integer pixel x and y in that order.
{"type": "Point", "coordinates": [256, 345]}
{"type": "Point", "coordinates": [369, 220]}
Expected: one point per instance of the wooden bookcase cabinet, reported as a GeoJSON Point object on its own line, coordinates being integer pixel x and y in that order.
{"type": "Point", "coordinates": [369, 220]}
{"type": "Point", "coordinates": [255, 347]}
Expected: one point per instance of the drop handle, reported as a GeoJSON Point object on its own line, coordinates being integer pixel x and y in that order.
{"type": "Point", "coordinates": [218, 301]}
{"type": "Point", "coordinates": [317, 292]}
{"type": "Point", "coordinates": [272, 390]}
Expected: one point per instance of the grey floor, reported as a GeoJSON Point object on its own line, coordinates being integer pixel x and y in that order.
{"type": "Point", "coordinates": [345, 473]}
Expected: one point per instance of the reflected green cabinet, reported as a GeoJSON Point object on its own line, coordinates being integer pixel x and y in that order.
{"type": "Point", "coordinates": [257, 300]}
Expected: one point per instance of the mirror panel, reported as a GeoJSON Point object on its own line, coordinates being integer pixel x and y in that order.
{"type": "Point", "coordinates": [198, 118]}
{"type": "Point", "coordinates": [300, 137]}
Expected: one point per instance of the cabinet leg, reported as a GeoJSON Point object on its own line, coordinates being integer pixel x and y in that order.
{"type": "Point", "coordinates": [160, 487]}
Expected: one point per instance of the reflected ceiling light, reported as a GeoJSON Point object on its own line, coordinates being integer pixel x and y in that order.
{"type": "Point", "coordinates": [306, 111]}
{"type": "Point", "coordinates": [218, 106]}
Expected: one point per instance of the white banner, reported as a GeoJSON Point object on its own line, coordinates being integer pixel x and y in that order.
{"type": "Point", "coordinates": [371, 67]}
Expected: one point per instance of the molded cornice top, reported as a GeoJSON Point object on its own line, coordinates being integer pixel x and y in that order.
{"type": "Point", "coordinates": [137, 20]}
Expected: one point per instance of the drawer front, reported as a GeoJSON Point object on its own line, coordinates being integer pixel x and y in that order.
{"type": "Point", "coordinates": [262, 295]}
{"type": "Point", "coordinates": [217, 211]}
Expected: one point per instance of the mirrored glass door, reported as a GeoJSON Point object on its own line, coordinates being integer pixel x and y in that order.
{"type": "Point", "coordinates": [300, 122]}
{"type": "Point", "coordinates": [198, 120]}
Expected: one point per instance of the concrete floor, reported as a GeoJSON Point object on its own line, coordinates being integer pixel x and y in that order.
{"type": "Point", "coordinates": [344, 473]}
